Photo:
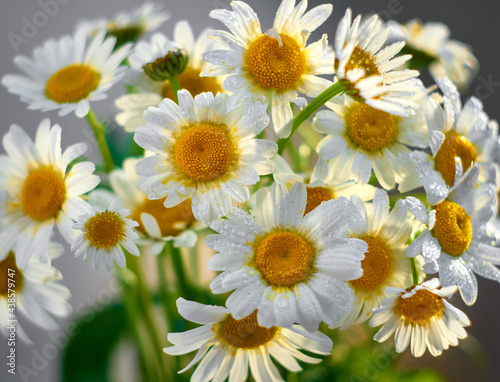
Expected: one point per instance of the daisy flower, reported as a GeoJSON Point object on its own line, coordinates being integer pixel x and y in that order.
{"type": "Point", "coordinates": [460, 134]}
{"type": "Point", "coordinates": [385, 263]}
{"type": "Point", "coordinates": [361, 137]}
{"type": "Point", "coordinates": [204, 151]}
{"type": "Point", "coordinates": [150, 93]}
{"type": "Point", "coordinates": [38, 294]}
{"type": "Point", "coordinates": [69, 73]}
{"type": "Point", "coordinates": [273, 67]}
{"type": "Point", "coordinates": [227, 347]}
{"type": "Point", "coordinates": [369, 72]}
{"type": "Point", "coordinates": [430, 44]}
{"type": "Point", "coordinates": [321, 185]}
{"type": "Point", "coordinates": [103, 233]}
{"type": "Point", "coordinates": [157, 224]}
{"type": "Point", "coordinates": [289, 266]}
{"type": "Point", "coordinates": [40, 191]}
{"type": "Point", "coordinates": [420, 315]}
{"type": "Point", "coordinates": [130, 26]}
{"type": "Point", "coordinates": [450, 243]}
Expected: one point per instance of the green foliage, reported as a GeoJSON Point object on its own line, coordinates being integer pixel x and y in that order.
{"type": "Point", "coordinates": [87, 355]}
{"type": "Point", "coordinates": [419, 60]}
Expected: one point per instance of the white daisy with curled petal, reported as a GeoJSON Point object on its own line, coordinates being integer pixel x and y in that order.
{"type": "Point", "coordinates": [451, 243]}
{"type": "Point", "coordinates": [102, 235]}
{"type": "Point", "coordinates": [369, 72]}
{"type": "Point", "coordinates": [385, 264]}
{"type": "Point", "coordinates": [321, 184]}
{"type": "Point", "coordinates": [205, 151]}
{"type": "Point", "coordinates": [228, 347]}
{"type": "Point", "coordinates": [157, 224]}
{"type": "Point", "coordinates": [130, 26]}
{"type": "Point", "coordinates": [275, 66]}
{"type": "Point", "coordinates": [40, 190]}
{"type": "Point", "coordinates": [290, 267]}
{"type": "Point", "coordinates": [420, 315]}
{"type": "Point", "coordinates": [149, 92]}
{"type": "Point", "coordinates": [38, 295]}
{"type": "Point", "coordinates": [361, 137]}
{"type": "Point", "coordinates": [430, 44]}
{"type": "Point", "coordinates": [67, 74]}
{"type": "Point", "coordinates": [455, 133]}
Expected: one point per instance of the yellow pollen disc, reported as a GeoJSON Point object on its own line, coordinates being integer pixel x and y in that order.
{"type": "Point", "coordinates": [376, 265]}
{"type": "Point", "coordinates": [204, 152]}
{"type": "Point", "coordinates": [273, 66]}
{"type": "Point", "coordinates": [172, 221]}
{"type": "Point", "coordinates": [453, 228]}
{"type": "Point", "coordinates": [245, 333]}
{"type": "Point", "coordinates": [369, 128]}
{"type": "Point", "coordinates": [362, 60]}
{"type": "Point", "coordinates": [10, 273]}
{"type": "Point", "coordinates": [72, 83]}
{"type": "Point", "coordinates": [284, 258]}
{"type": "Point", "coordinates": [454, 145]}
{"type": "Point", "coordinates": [105, 229]}
{"type": "Point", "coordinates": [190, 80]}
{"type": "Point", "coordinates": [43, 193]}
{"type": "Point", "coordinates": [421, 307]}
{"type": "Point", "coordinates": [315, 196]}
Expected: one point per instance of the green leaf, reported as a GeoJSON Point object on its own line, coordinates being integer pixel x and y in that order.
{"type": "Point", "coordinates": [88, 351]}
{"type": "Point", "coordinates": [121, 144]}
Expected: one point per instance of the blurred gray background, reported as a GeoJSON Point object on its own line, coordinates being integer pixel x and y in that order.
{"type": "Point", "coordinates": [473, 22]}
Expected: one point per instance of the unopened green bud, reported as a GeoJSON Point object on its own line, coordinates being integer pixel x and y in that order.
{"type": "Point", "coordinates": [166, 67]}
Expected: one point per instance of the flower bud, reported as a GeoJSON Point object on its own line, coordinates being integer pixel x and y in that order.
{"type": "Point", "coordinates": [168, 66]}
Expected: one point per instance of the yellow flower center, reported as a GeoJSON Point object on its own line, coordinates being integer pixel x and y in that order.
{"type": "Point", "coordinates": [190, 80]}
{"type": "Point", "coordinates": [454, 145]}
{"type": "Point", "coordinates": [245, 333]}
{"type": "Point", "coordinates": [72, 83]}
{"type": "Point", "coordinates": [204, 152]}
{"type": "Point", "coordinates": [284, 258]}
{"type": "Point", "coordinates": [453, 228]}
{"type": "Point", "coordinates": [10, 274]}
{"type": "Point", "coordinates": [376, 265]}
{"type": "Point", "coordinates": [43, 193]}
{"type": "Point", "coordinates": [275, 66]}
{"type": "Point", "coordinates": [421, 307]}
{"type": "Point", "coordinates": [369, 128]}
{"type": "Point", "coordinates": [316, 196]}
{"type": "Point", "coordinates": [172, 221]}
{"type": "Point", "coordinates": [362, 60]}
{"type": "Point", "coordinates": [105, 229]}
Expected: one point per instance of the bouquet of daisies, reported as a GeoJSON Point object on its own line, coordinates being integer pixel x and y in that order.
{"type": "Point", "coordinates": [322, 186]}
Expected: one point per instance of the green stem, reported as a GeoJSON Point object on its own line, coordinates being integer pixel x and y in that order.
{"type": "Point", "coordinates": [179, 269]}
{"type": "Point", "coordinates": [167, 300]}
{"type": "Point", "coordinates": [414, 271]}
{"type": "Point", "coordinates": [334, 90]}
{"type": "Point", "coordinates": [147, 303]}
{"type": "Point", "coordinates": [132, 308]}
{"type": "Point", "coordinates": [174, 83]}
{"type": "Point", "coordinates": [295, 157]}
{"type": "Point", "coordinates": [99, 131]}
{"type": "Point", "coordinates": [195, 262]}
